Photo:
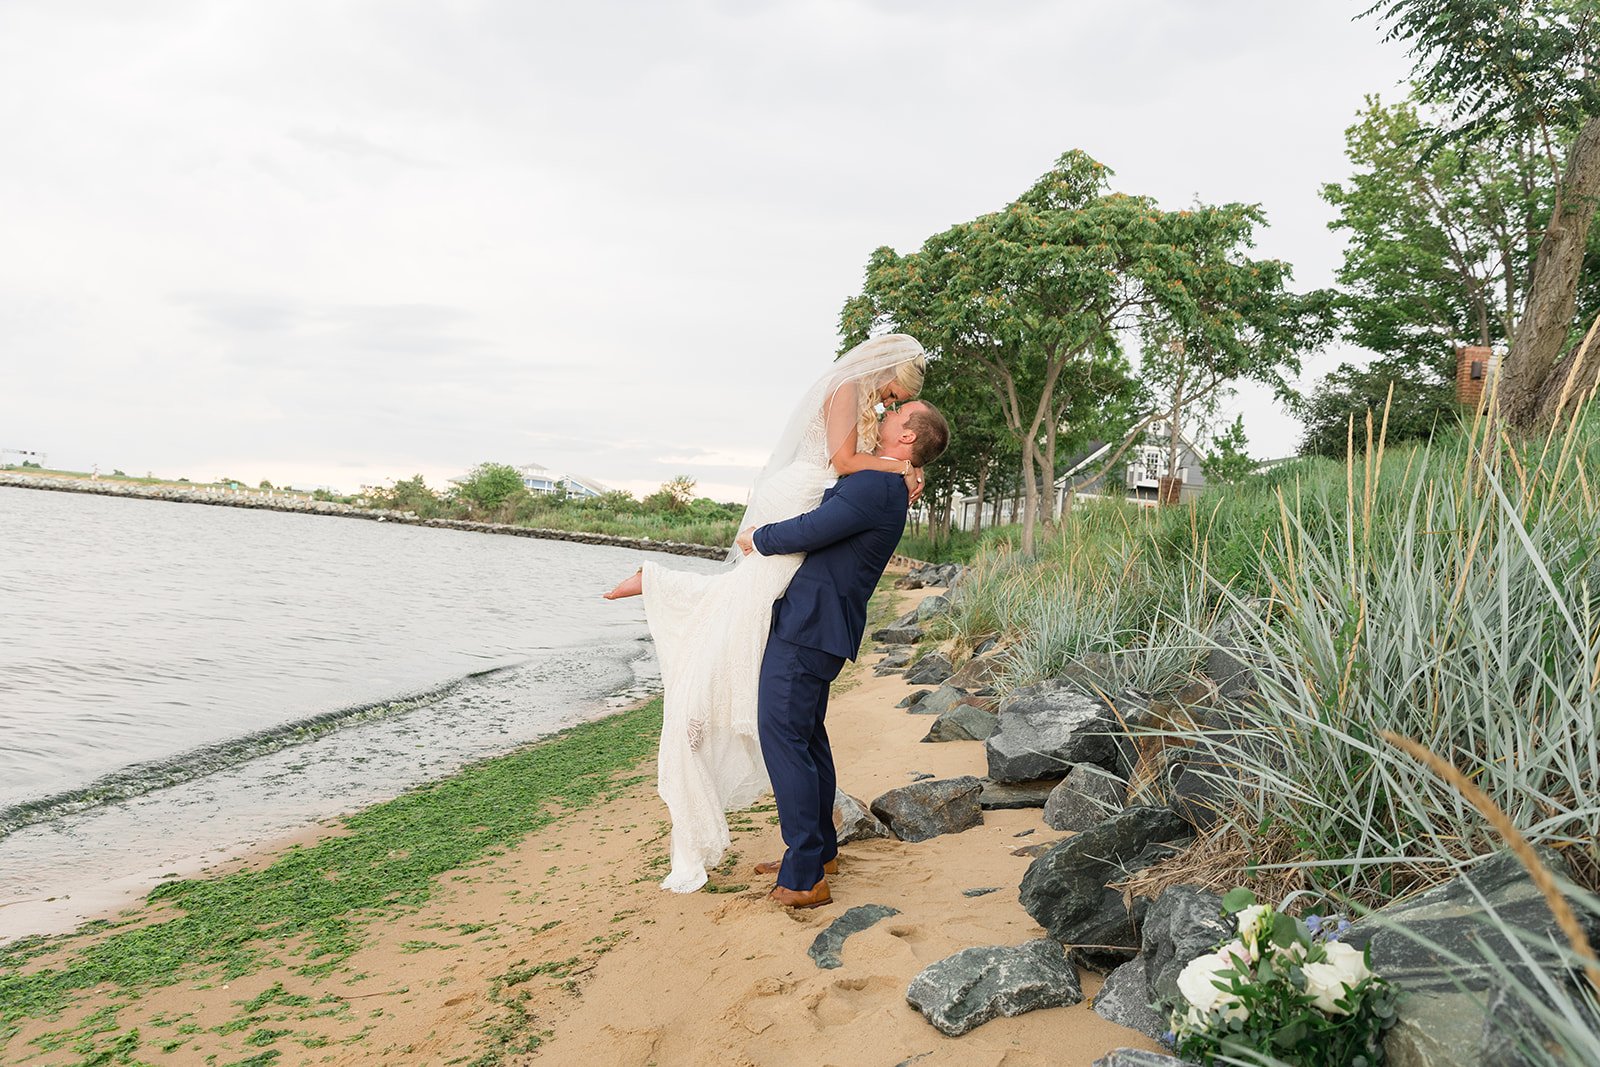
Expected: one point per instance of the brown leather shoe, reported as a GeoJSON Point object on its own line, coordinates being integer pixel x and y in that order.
{"type": "Point", "coordinates": [817, 896]}
{"type": "Point", "coordinates": [774, 866]}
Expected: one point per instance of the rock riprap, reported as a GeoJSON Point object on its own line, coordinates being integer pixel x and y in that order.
{"type": "Point", "coordinates": [852, 821]}
{"type": "Point", "coordinates": [975, 985]}
{"type": "Point", "coordinates": [1066, 887]}
{"type": "Point", "coordinates": [926, 809]}
{"type": "Point", "coordinates": [1045, 729]}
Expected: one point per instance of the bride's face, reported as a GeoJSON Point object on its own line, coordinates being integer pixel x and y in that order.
{"type": "Point", "coordinates": [892, 392]}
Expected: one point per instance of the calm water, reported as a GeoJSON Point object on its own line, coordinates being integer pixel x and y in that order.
{"type": "Point", "coordinates": [176, 680]}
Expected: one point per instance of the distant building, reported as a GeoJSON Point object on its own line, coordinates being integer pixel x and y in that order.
{"type": "Point", "coordinates": [541, 479]}
{"type": "Point", "coordinates": [1145, 471]}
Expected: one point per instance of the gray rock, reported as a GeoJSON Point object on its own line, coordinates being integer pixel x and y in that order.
{"type": "Point", "coordinates": [975, 985]}
{"type": "Point", "coordinates": [898, 635]}
{"type": "Point", "coordinates": [1210, 775]}
{"type": "Point", "coordinates": [1005, 796]}
{"type": "Point", "coordinates": [900, 657]}
{"type": "Point", "coordinates": [931, 608]}
{"type": "Point", "coordinates": [826, 947]}
{"type": "Point", "coordinates": [983, 892]}
{"type": "Point", "coordinates": [1182, 924]}
{"type": "Point", "coordinates": [987, 645]}
{"type": "Point", "coordinates": [1430, 945]}
{"type": "Point", "coordinates": [930, 670]}
{"type": "Point", "coordinates": [1045, 729]}
{"type": "Point", "coordinates": [1125, 1000]}
{"type": "Point", "coordinates": [977, 672]}
{"type": "Point", "coordinates": [1138, 1057]}
{"type": "Point", "coordinates": [941, 700]}
{"type": "Point", "coordinates": [908, 619]}
{"type": "Point", "coordinates": [922, 810]}
{"type": "Point", "coordinates": [1233, 660]}
{"type": "Point", "coordinates": [1065, 886]}
{"type": "Point", "coordinates": [914, 698]}
{"type": "Point", "coordinates": [964, 722]}
{"type": "Point", "coordinates": [1086, 797]}
{"type": "Point", "coordinates": [852, 821]}
{"type": "Point", "coordinates": [1513, 1029]}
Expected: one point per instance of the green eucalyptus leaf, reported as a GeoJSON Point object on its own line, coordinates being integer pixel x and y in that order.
{"type": "Point", "coordinates": [1236, 900]}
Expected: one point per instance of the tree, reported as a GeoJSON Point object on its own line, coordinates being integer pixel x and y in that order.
{"type": "Point", "coordinates": [1412, 407]}
{"type": "Point", "coordinates": [1504, 70]}
{"type": "Point", "coordinates": [1225, 460]}
{"type": "Point", "coordinates": [488, 485]}
{"type": "Point", "coordinates": [1016, 297]}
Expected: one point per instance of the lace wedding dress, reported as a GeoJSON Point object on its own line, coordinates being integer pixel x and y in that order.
{"type": "Point", "coordinates": [710, 632]}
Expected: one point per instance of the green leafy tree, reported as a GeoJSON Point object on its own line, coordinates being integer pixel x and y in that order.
{"type": "Point", "coordinates": [411, 494]}
{"type": "Point", "coordinates": [1225, 460]}
{"type": "Point", "coordinates": [1019, 296]}
{"type": "Point", "coordinates": [1406, 406]}
{"type": "Point", "coordinates": [673, 496]}
{"type": "Point", "coordinates": [488, 485]}
{"type": "Point", "coordinates": [1502, 72]}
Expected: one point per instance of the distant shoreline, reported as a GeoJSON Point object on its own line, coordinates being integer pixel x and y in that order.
{"type": "Point", "coordinates": [268, 500]}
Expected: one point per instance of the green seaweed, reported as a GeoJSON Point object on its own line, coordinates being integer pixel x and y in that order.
{"type": "Point", "coordinates": [324, 894]}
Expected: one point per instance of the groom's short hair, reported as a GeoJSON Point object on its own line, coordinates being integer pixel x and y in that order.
{"type": "Point", "coordinates": [933, 433]}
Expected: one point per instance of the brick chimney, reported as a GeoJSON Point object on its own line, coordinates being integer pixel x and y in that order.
{"type": "Point", "coordinates": [1475, 364]}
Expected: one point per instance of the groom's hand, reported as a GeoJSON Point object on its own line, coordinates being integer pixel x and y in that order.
{"type": "Point", "coordinates": [746, 540]}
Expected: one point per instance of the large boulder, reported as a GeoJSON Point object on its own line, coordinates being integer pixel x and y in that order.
{"type": "Point", "coordinates": [1182, 924]}
{"type": "Point", "coordinates": [894, 661]}
{"type": "Point", "coordinates": [964, 722]}
{"type": "Point", "coordinates": [930, 670]}
{"type": "Point", "coordinates": [1124, 999]}
{"type": "Point", "coordinates": [852, 821]}
{"type": "Point", "coordinates": [979, 672]}
{"type": "Point", "coordinates": [941, 700]}
{"type": "Point", "coordinates": [978, 984]}
{"type": "Point", "coordinates": [1432, 946]}
{"type": "Point", "coordinates": [1086, 797]}
{"type": "Point", "coordinates": [898, 635]}
{"type": "Point", "coordinates": [926, 809]}
{"type": "Point", "coordinates": [1065, 886]}
{"type": "Point", "coordinates": [930, 608]}
{"type": "Point", "coordinates": [1045, 729]}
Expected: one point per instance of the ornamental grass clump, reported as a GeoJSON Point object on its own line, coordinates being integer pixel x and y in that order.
{"type": "Point", "coordinates": [1283, 991]}
{"type": "Point", "coordinates": [1455, 602]}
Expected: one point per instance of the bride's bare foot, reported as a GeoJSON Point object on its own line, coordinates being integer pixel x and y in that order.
{"type": "Point", "coordinates": [632, 585]}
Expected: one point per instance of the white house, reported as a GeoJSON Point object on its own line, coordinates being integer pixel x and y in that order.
{"type": "Point", "coordinates": [539, 479]}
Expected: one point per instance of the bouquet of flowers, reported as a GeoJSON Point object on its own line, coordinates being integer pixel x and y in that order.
{"type": "Point", "coordinates": [1283, 989]}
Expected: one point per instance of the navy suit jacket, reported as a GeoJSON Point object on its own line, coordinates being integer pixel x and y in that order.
{"type": "Point", "coordinates": [848, 539]}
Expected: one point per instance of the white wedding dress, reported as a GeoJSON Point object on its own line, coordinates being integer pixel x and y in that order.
{"type": "Point", "coordinates": [710, 633]}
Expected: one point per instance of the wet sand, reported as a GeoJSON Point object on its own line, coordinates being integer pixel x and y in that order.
{"type": "Point", "coordinates": [564, 950]}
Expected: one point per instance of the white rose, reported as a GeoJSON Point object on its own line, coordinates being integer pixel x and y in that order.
{"type": "Point", "coordinates": [1198, 980]}
{"type": "Point", "coordinates": [1329, 981]}
{"type": "Point", "coordinates": [1250, 930]}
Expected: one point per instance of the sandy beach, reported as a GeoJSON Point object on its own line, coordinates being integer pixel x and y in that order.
{"type": "Point", "coordinates": [564, 950]}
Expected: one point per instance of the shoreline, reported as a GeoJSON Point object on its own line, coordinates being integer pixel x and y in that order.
{"type": "Point", "coordinates": [265, 500]}
{"type": "Point", "coordinates": [559, 947]}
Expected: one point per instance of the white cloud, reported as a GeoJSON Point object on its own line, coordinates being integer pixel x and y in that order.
{"type": "Point", "coordinates": [286, 240]}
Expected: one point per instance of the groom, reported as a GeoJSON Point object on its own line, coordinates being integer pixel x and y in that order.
{"type": "Point", "coordinates": [817, 625]}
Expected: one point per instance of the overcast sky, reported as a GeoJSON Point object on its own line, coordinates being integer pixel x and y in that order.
{"type": "Point", "coordinates": [335, 243]}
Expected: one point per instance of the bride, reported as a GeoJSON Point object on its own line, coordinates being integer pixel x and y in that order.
{"type": "Point", "coordinates": [711, 629]}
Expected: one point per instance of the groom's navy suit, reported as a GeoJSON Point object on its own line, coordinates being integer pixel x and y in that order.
{"type": "Point", "coordinates": [817, 625]}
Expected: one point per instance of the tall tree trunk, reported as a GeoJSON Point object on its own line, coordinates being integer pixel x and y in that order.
{"type": "Point", "coordinates": [1553, 289]}
{"type": "Point", "coordinates": [1030, 494]}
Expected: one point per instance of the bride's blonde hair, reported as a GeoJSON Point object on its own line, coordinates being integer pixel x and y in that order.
{"type": "Point", "coordinates": [907, 374]}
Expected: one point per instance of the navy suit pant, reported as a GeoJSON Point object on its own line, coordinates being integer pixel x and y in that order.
{"type": "Point", "coordinates": [792, 702]}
